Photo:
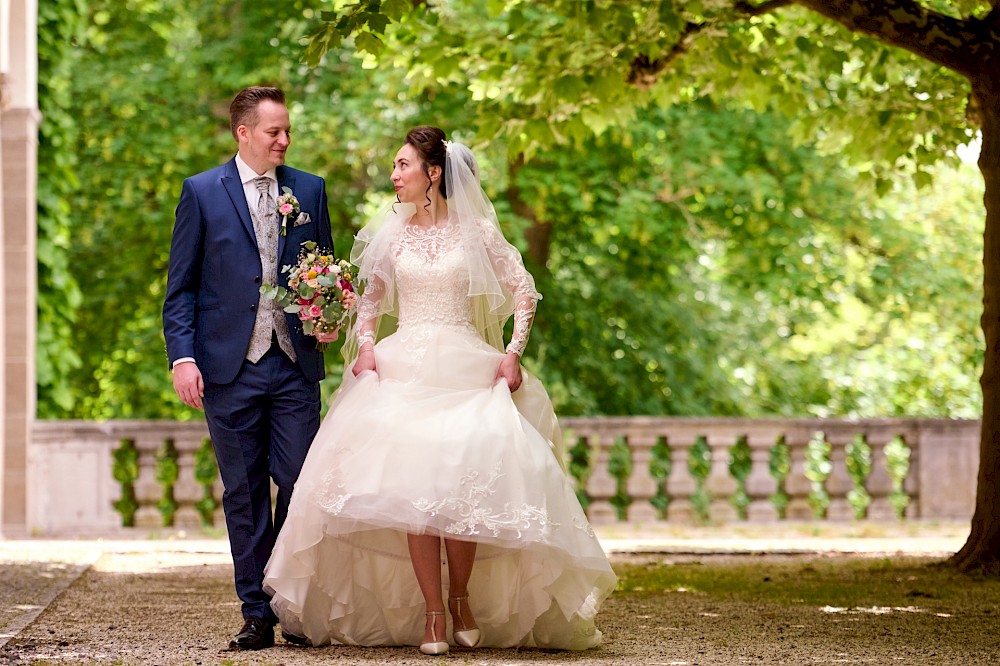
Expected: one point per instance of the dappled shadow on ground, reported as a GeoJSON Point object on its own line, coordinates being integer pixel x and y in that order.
{"type": "Point", "coordinates": [23, 590]}
{"type": "Point", "coordinates": [179, 608]}
{"type": "Point", "coordinates": [807, 610]}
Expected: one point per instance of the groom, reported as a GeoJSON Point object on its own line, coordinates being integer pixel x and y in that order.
{"type": "Point", "coordinates": [235, 353]}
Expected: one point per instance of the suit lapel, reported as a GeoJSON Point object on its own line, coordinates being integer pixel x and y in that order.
{"type": "Point", "coordinates": [231, 181]}
{"type": "Point", "coordinates": [285, 179]}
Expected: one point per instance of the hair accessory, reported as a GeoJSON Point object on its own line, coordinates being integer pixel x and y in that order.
{"type": "Point", "coordinates": [447, 144]}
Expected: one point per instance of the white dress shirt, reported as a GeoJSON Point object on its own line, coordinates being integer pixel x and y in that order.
{"type": "Point", "coordinates": [247, 176]}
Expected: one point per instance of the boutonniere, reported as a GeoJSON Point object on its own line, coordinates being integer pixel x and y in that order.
{"type": "Point", "coordinates": [287, 205]}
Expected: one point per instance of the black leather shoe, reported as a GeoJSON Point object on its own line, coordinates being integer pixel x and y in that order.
{"type": "Point", "coordinates": [301, 641]}
{"type": "Point", "coordinates": [256, 634]}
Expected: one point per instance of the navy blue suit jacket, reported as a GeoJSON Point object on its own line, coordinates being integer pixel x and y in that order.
{"type": "Point", "coordinates": [214, 274]}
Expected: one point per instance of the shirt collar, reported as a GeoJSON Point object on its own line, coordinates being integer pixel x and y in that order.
{"type": "Point", "coordinates": [247, 174]}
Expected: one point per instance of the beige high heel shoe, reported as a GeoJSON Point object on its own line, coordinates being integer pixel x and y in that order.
{"type": "Point", "coordinates": [435, 647]}
{"type": "Point", "coordinates": [469, 638]}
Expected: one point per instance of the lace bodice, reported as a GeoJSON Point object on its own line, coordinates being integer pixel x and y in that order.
{"type": "Point", "coordinates": [431, 279]}
{"type": "Point", "coordinates": [432, 282]}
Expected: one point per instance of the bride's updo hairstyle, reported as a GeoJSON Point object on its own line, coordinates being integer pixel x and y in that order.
{"type": "Point", "coordinates": [429, 142]}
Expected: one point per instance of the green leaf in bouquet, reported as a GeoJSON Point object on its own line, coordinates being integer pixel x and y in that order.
{"type": "Point", "coordinates": [292, 309]}
{"type": "Point", "coordinates": [305, 291]}
{"type": "Point", "coordinates": [279, 295]}
{"type": "Point", "coordinates": [307, 327]}
{"type": "Point", "coordinates": [333, 311]}
{"type": "Point", "coordinates": [309, 245]}
{"type": "Point", "coordinates": [320, 300]}
{"type": "Point", "coordinates": [326, 280]}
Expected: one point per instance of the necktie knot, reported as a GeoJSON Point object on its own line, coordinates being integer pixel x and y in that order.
{"type": "Point", "coordinates": [263, 184]}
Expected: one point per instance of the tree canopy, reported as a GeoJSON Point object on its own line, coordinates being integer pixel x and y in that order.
{"type": "Point", "coordinates": [699, 257]}
{"type": "Point", "coordinates": [544, 74]}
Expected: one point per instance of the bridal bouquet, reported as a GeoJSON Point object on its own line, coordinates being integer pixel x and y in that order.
{"type": "Point", "coordinates": [320, 291]}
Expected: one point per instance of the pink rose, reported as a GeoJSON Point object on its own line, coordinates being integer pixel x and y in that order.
{"type": "Point", "coordinates": [315, 311]}
{"type": "Point", "coordinates": [285, 209]}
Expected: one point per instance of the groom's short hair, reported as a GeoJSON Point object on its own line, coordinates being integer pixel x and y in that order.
{"type": "Point", "coordinates": [243, 108]}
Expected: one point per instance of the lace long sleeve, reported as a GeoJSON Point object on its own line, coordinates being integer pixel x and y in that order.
{"type": "Point", "coordinates": [368, 310]}
{"type": "Point", "coordinates": [510, 270]}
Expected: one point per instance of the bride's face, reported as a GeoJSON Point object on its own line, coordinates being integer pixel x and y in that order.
{"type": "Point", "coordinates": [408, 177]}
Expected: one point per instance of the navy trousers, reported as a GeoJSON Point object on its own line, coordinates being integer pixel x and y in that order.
{"type": "Point", "coordinates": [261, 425]}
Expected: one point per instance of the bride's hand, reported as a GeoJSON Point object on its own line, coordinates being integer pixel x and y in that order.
{"type": "Point", "coordinates": [510, 369]}
{"type": "Point", "coordinates": [365, 362]}
{"type": "Point", "coordinates": [327, 338]}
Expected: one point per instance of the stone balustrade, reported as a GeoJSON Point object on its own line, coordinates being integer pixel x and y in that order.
{"type": "Point", "coordinates": [635, 469]}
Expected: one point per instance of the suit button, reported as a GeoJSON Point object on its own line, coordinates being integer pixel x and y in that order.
{"type": "Point", "coordinates": [253, 307]}
{"type": "Point", "coordinates": [256, 280]}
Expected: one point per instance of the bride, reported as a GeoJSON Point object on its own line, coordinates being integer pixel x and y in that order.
{"type": "Point", "coordinates": [437, 441]}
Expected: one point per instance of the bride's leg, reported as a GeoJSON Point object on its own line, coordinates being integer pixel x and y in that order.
{"type": "Point", "coordinates": [425, 555]}
{"type": "Point", "coordinates": [461, 557]}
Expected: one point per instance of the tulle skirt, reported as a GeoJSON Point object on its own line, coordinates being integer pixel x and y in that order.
{"type": "Point", "coordinates": [430, 445]}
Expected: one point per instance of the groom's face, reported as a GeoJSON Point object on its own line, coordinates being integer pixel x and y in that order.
{"type": "Point", "coordinates": [263, 146]}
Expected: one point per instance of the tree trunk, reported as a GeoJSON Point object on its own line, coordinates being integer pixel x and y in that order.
{"type": "Point", "coordinates": [981, 551]}
{"type": "Point", "coordinates": [539, 233]}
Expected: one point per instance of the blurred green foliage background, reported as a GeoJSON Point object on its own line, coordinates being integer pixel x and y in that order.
{"type": "Point", "coordinates": [712, 254]}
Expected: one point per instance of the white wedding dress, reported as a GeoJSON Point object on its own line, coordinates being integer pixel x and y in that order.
{"type": "Point", "coordinates": [430, 445]}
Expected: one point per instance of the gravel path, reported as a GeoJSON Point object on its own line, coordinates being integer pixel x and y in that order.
{"type": "Point", "coordinates": [171, 602]}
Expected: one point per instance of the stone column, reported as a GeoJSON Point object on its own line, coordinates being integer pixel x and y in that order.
{"type": "Point", "coordinates": [19, 120]}
{"type": "Point", "coordinates": [4, 98]}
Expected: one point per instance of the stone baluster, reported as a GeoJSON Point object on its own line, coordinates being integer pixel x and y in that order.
{"type": "Point", "coordinates": [839, 483]}
{"type": "Point", "coordinates": [879, 483]}
{"type": "Point", "coordinates": [760, 484]}
{"type": "Point", "coordinates": [148, 491]}
{"type": "Point", "coordinates": [117, 491]}
{"type": "Point", "coordinates": [680, 484]}
{"type": "Point", "coordinates": [911, 484]}
{"type": "Point", "coordinates": [601, 486]}
{"type": "Point", "coordinates": [641, 486]}
{"type": "Point", "coordinates": [720, 482]}
{"type": "Point", "coordinates": [187, 491]}
{"type": "Point", "coordinates": [796, 484]}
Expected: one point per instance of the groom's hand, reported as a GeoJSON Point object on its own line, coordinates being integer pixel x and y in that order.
{"type": "Point", "coordinates": [188, 384]}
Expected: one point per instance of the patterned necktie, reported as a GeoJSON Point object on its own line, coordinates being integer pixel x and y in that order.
{"type": "Point", "coordinates": [266, 229]}
{"type": "Point", "coordinates": [269, 316]}
{"type": "Point", "coordinates": [266, 206]}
